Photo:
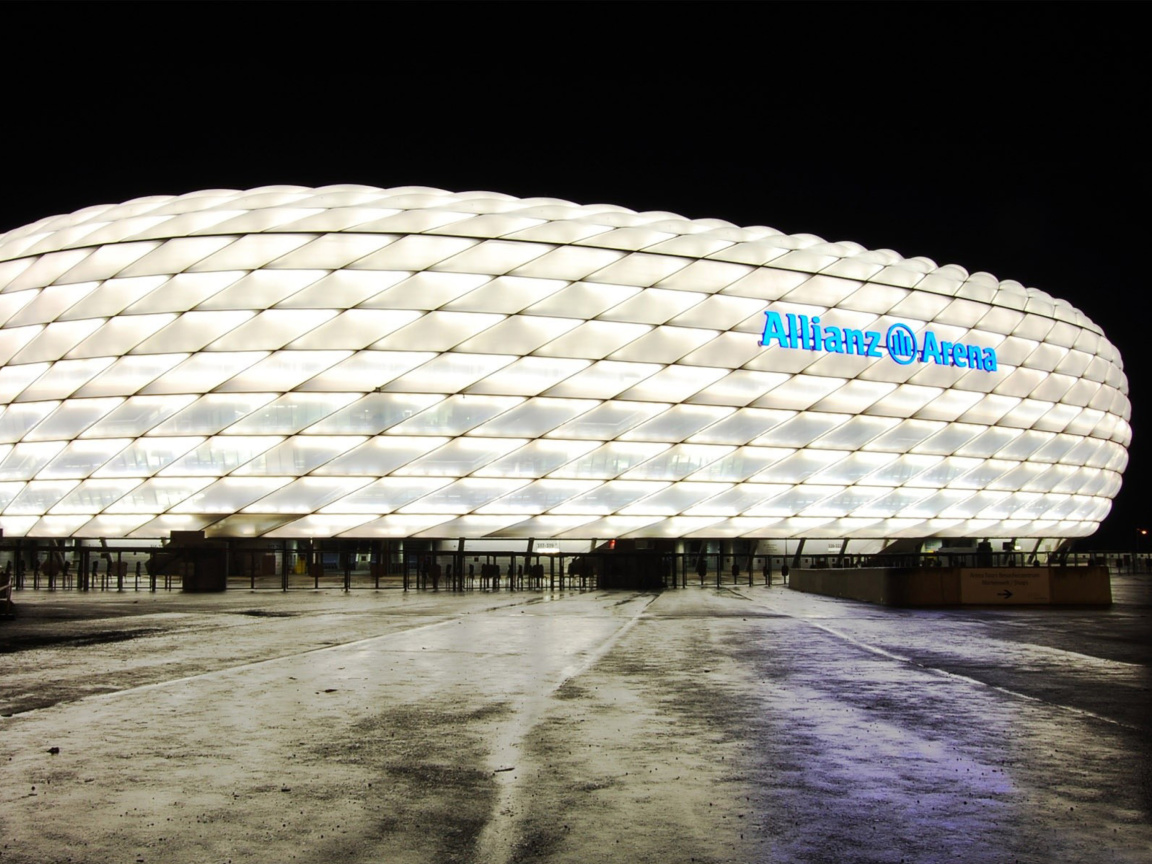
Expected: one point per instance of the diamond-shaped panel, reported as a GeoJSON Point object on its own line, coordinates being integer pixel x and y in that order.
{"type": "Point", "coordinates": [361, 362]}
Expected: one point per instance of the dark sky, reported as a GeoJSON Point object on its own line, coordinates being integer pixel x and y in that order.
{"type": "Point", "coordinates": [1002, 137]}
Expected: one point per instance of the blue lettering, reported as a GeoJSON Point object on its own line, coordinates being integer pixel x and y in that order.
{"type": "Point", "coordinates": [959, 355]}
{"type": "Point", "coordinates": [774, 329]}
{"type": "Point", "coordinates": [853, 341]}
{"type": "Point", "coordinates": [800, 331]}
{"type": "Point", "coordinates": [931, 349]}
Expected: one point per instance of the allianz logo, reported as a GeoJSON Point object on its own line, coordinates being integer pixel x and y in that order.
{"type": "Point", "coordinates": [899, 343]}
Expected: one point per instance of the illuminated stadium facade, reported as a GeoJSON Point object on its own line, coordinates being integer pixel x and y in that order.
{"type": "Point", "coordinates": [412, 363]}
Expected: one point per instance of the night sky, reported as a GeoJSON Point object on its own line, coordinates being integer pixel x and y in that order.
{"type": "Point", "coordinates": [971, 135]}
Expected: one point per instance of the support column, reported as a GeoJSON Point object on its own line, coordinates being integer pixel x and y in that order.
{"type": "Point", "coordinates": [799, 552]}
{"type": "Point", "coordinates": [460, 563]}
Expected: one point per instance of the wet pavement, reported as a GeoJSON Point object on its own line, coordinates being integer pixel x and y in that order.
{"type": "Point", "coordinates": [740, 724]}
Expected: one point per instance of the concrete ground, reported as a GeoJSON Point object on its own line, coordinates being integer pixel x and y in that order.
{"type": "Point", "coordinates": [740, 724]}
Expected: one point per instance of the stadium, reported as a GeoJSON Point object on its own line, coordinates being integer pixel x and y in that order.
{"type": "Point", "coordinates": [422, 370]}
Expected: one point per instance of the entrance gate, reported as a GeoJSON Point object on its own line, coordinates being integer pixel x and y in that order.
{"type": "Point", "coordinates": [379, 565]}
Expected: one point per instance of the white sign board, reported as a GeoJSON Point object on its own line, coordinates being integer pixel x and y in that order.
{"type": "Point", "coordinates": [1000, 585]}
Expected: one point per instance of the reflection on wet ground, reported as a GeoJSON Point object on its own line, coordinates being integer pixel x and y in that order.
{"type": "Point", "coordinates": [750, 724]}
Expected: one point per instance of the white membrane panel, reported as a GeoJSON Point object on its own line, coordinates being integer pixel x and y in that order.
{"type": "Point", "coordinates": [389, 363]}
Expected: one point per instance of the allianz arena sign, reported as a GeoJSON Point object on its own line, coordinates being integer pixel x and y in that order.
{"type": "Point", "coordinates": [900, 343]}
{"type": "Point", "coordinates": [359, 362]}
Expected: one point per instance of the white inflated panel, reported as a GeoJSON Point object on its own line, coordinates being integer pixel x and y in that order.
{"type": "Point", "coordinates": [379, 363]}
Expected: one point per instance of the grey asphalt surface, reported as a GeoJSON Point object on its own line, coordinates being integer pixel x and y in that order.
{"type": "Point", "coordinates": [740, 724]}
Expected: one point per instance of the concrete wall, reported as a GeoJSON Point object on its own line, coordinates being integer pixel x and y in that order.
{"type": "Point", "coordinates": [941, 586]}
{"type": "Point", "coordinates": [1090, 586]}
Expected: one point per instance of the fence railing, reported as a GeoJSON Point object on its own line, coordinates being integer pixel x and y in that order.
{"type": "Point", "coordinates": [131, 569]}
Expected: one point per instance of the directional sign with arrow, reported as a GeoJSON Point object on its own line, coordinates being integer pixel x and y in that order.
{"type": "Point", "coordinates": [1005, 585]}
